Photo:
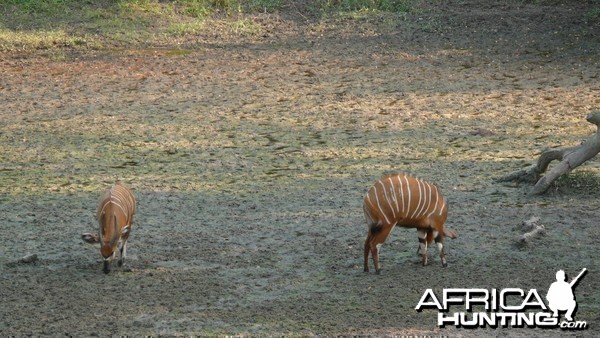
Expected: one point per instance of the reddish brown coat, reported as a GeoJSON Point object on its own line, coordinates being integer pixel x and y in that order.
{"type": "Point", "coordinates": [408, 202]}
{"type": "Point", "coordinates": [115, 218]}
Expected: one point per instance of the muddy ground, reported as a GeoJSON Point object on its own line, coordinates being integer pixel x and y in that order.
{"type": "Point", "coordinates": [250, 159]}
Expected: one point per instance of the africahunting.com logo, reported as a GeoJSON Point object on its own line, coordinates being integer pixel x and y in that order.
{"type": "Point", "coordinates": [510, 307]}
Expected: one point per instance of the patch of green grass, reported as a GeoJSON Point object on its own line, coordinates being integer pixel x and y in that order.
{"type": "Point", "coordinates": [594, 14]}
{"type": "Point", "coordinates": [245, 27]}
{"type": "Point", "coordinates": [203, 8]}
{"type": "Point", "coordinates": [95, 24]}
{"type": "Point", "coordinates": [38, 7]}
{"type": "Point", "coordinates": [27, 25]}
{"type": "Point", "coordinates": [364, 17]}
{"type": "Point", "coordinates": [583, 182]}
{"type": "Point", "coordinates": [361, 5]}
{"type": "Point", "coordinates": [47, 24]}
{"type": "Point", "coordinates": [179, 29]}
{"type": "Point", "coordinates": [49, 39]}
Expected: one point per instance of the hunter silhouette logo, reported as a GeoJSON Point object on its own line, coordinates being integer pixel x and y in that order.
{"type": "Point", "coordinates": [508, 307]}
{"type": "Point", "coordinates": [560, 295]}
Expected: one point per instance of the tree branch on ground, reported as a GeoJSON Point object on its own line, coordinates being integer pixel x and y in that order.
{"type": "Point", "coordinates": [570, 158]}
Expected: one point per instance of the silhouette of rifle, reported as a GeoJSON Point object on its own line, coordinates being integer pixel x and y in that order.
{"type": "Point", "coordinates": [578, 276]}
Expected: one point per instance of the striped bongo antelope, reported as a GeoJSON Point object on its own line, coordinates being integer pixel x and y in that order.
{"type": "Point", "coordinates": [115, 217]}
{"type": "Point", "coordinates": [408, 202]}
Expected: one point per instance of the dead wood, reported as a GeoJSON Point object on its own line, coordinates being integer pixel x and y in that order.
{"type": "Point", "coordinates": [570, 158]}
{"type": "Point", "coordinates": [90, 238]}
{"type": "Point", "coordinates": [530, 223]}
{"type": "Point", "coordinates": [535, 230]}
{"type": "Point", "coordinates": [27, 259]}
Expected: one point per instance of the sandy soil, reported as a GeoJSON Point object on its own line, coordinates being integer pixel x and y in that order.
{"type": "Point", "coordinates": [250, 159]}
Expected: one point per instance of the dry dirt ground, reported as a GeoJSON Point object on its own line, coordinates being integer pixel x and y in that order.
{"type": "Point", "coordinates": [250, 160]}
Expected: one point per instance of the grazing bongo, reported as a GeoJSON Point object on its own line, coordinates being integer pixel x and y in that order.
{"type": "Point", "coordinates": [408, 202]}
{"type": "Point", "coordinates": [115, 217]}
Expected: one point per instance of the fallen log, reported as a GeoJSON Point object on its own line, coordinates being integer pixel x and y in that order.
{"type": "Point", "coordinates": [570, 158]}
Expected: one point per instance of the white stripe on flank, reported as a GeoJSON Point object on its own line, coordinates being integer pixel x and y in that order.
{"type": "Point", "coordinates": [442, 207]}
{"type": "Point", "coordinates": [407, 210]}
{"type": "Point", "coordinates": [387, 199]}
{"type": "Point", "coordinates": [425, 200]}
{"type": "Point", "coordinates": [118, 202]}
{"type": "Point", "coordinates": [402, 210]}
{"type": "Point", "coordinates": [394, 198]}
{"type": "Point", "coordinates": [419, 203]}
{"type": "Point", "coordinates": [422, 210]}
{"type": "Point", "coordinates": [428, 198]}
{"type": "Point", "coordinates": [379, 206]}
{"type": "Point", "coordinates": [115, 203]}
{"type": "Point", "coordinates": [436, 203]}
{"type": "Point", "coordinates": [367, 198]}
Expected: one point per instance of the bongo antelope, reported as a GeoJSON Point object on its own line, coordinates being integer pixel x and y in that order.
{"type": "Point", "coordinates": [408, 202]}
{"type": "Point", "coordinates": [115, 217]}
